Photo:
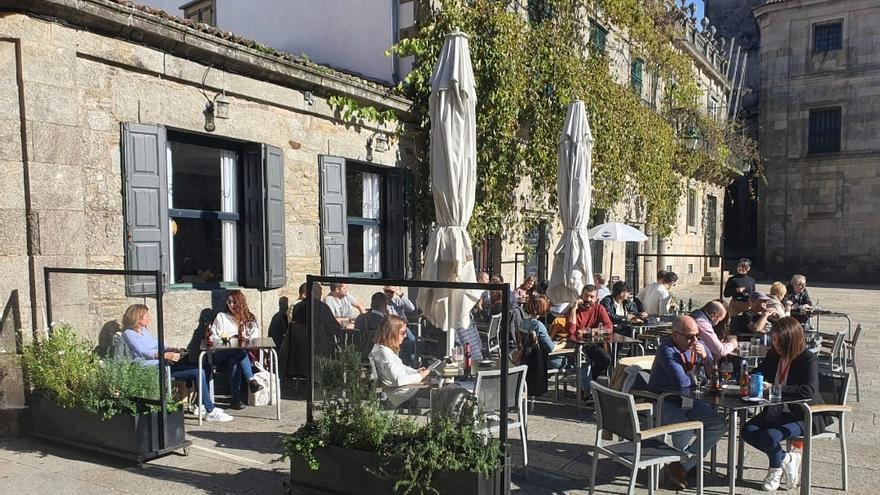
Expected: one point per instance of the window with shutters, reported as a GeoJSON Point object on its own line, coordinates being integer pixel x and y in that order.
{"type": "Point", "coordinates": [363, 219]}
{"type": "Point", "coordinates": [713, 107]}
{"type": "Point", "coordinates": [824, 133]}
{"type": "Point", "coordinates": [207, 212]}
{"type": "Point", "coordinates": [827, 36]}
{"type": "Point", "coordinates": [200, 11]}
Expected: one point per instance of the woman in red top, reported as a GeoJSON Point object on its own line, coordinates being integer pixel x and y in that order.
{"type": "Point", "coordinates": [792, 366]}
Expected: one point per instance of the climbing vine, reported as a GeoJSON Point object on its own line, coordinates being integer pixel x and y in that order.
{"type": "Point", "coordinates": [351, 111]}
{"type": "Point", "coordinates": [530, 60]}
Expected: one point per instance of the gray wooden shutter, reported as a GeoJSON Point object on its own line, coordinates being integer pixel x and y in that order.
{"type": "Point", "coordinates": [394, 236]}
{"type": "Point", "coordinates": [263, 217]}
{"type": "Point", "coordinates": [276, 259]}
{"type": "Point", "coordinates": [252, 216]}
{"type": "Point", "coordinates": [334, 230]}
{"type": "Point", "coordinates": [146, 205]}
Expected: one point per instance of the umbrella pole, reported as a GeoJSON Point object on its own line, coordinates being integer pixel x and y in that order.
{"type": "Point", "coordinates": [611, 268]}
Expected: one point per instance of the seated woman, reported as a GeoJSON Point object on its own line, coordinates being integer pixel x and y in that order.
{"type": "Point", "coordinates": [387, 367]}
{"type": "Point", "coordinates": [792, 366]}
{"type": "Point", "coordinates": [144, 346]}
{"type": "Point", "coordinates": [777, 299]}
{"type": "Point", "coordinates": [536, 308]}
{"type": "Point", "coordinates": [620, 307]}
{"type": "Point", "coordinates": [241, 323]}
{"type": "Point", "coordinates": [524, 291]}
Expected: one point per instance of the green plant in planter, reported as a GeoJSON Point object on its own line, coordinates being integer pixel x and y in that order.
{"type": "Point", "coordinates": [64, 368]}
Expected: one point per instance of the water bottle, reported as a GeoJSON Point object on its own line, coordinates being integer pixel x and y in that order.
{"type": "Point", "coordinates": [757, 388]}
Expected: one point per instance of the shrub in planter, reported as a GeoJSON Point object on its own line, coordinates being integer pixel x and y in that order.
{"type": "Point", "coordinates": [410, 457]}
{"type": "Point", "coordinates": [63, 368]}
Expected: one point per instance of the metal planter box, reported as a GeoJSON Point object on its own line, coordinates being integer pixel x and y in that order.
{"type": "Point", "coordinates": [355, 472]}
{"type": "Point", "coordinates": [132, 437]}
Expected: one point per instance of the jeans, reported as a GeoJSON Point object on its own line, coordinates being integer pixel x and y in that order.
{"type": "Point", "coordinates": [239, 365]}
{"type": "Point", "coordinates": [600, 359]}
{"type": "Point", "coordinates": [768, 439]}
{"type": "Point", "coordinates": [186, 371]}
{"type": "Point", "coordinates": [713, 427]}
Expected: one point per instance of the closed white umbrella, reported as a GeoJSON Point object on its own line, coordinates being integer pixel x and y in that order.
{"type": "Point", "coordinates": [449, 256]}
{"type": "Point", "coordinates": [614, 231]}
{"type": "Point", "coordinates": [572, 261]}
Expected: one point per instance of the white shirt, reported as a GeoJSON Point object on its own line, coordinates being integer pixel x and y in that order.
{"type": "Point", "coordinates": [602, 292]}
{"type": "Point", "coordinates": [389, 370]}
{"type": "Point", "coordinates": [225, 326]}
{"type": "Point", "coordinates": [656, 299]}
{"type": "Point", "coordinates": [341, 306]}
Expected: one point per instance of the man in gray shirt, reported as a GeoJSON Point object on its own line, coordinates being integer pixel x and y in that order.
{"type": "Point", "coordinates": [341, 302]}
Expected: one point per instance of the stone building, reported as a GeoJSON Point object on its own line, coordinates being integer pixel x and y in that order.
{"type": "Point", "coordinates": [819, 133]}
{"type": "Point", "coordinates": [132, 139]}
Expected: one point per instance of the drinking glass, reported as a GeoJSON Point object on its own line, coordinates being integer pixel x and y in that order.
{"type": "Point", "coordinates": [775, 392]}
{"type": "Point", "coordinates": [457, 355]}
{"type": "Point", "coordinates": [699, 377]}
{"type": "Point", "coordinates": [597, 333]}
{"type": "Point", "coordinates": [744, 348]}
{"type": "Point", "coordinates": [726, 371]}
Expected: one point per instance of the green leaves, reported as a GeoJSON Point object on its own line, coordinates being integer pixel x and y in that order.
{"type": "Point", "coordinates": [528, 72]}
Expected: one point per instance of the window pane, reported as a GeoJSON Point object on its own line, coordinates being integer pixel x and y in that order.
{"type": "Point", "coordinates": [356, 248]}
{"type": "Point", "coordinates": [195, 182]}
{"type": "Point", "coordinates": [354, 189]}
{"type": "Point", "coordinates": [827, 37]}
{"type": "Point", "coordinates": [824, 132]}
{"type": "Point", "coordinates": [371, 249]}
{"type": "Point", "coordinates": [198, 255]}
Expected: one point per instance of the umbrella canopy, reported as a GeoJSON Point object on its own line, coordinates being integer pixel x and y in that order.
{"type": "Point", "coordinates": [614, 231]}
{"type": "Point", "coordinates": [572, 261]}
{"type": "Point", "coordinates": [449, 256]}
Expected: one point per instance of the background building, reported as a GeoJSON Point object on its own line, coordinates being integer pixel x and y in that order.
{"type": "Point", "coordinates": [820, 135]}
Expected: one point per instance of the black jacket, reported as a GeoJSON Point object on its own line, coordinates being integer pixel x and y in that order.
{"type": "Point", "coordinates": [629, 307]}
{"type": "Point", "coordinates": [736, 281]}
{"type": "Point", "coordinates": [802, 382]}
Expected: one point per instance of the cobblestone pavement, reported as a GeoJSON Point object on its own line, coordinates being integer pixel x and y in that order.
{"type": "Point", "coordinates": [238, 457]}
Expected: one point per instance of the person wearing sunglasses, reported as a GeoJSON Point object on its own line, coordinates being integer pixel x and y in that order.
{"type": "Point", "coordinates": [674, 362]}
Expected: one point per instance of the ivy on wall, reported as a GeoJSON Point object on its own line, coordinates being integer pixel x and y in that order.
{"type": "Point", "coordinates": [529, 64]}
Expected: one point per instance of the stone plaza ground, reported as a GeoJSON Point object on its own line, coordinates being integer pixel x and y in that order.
{"type": "Point", "coordinates": [238, 457]}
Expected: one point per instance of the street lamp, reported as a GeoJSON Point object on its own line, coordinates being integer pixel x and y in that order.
{"type": "Point", "coordinates": [691, 139]}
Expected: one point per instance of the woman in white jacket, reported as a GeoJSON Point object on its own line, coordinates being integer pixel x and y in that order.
{"type": "Point", "coordinates": [387, 367]}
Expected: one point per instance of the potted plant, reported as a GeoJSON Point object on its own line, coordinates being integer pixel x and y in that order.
{"type": "Point", "coordinates": [354, 446]}
{"type": "Point", "coordinates": [104, 405]}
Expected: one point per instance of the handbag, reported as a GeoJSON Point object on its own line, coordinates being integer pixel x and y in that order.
{"type": "Point", "coordinates": [264, 378]}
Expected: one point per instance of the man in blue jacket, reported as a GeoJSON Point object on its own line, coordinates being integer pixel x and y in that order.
{"type": "Point", "coordinates": [673, 364]}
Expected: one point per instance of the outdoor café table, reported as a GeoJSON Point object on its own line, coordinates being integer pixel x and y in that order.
{"type": "Point", "coordinates": [638, 328]}
{"type": "Point", "coordinates": [259, 344]}
{"type": "Point", "coordinates": [730, 401]}
{"type": "Point", "coordinates": [821, 313]}
{"type": "Point", "coordinates": [612, 339]}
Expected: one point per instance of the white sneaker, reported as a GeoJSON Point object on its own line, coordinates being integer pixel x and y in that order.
{"type": "Point", "coordinates": [220, 416]}
{"type": "Point", "coordinates": [199, 411]}
{"type": "Point", "coordinates": [771, 482]}
{"type": "Point", "coordinates": [791, 466]}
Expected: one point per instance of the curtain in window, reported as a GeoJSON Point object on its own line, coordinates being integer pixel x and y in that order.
{"type": "Point", "coordinates": [229, 204]}
{"type": "Point", "coordinates": [371, 232]}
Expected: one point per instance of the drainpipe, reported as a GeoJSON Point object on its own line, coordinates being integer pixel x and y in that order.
{"type": "Point", "coordinates": [395, 37]}
{"type": "Point", "coordinates": [31, 218]}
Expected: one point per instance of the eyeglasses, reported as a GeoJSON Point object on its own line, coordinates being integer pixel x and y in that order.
{"type": "Point", "coordinates": [689, 337]}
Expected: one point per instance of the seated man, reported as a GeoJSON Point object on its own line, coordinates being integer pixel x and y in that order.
{"type": "Point", "coordinates": [620, 308]}
{"type": "Point", "coordinates": [585, 313]}
{"type": "Point", "coordinates": [675, 359]}
{"type": "Point", "coordinates": [707, 317]}
{"type": "Point", "coordinates": [754, 320]}
{"type": "Point", "coordinates": [342, 303]}
{"type": "Point", "coordinates": [799, 299]}
{"type": "Point", "coordinates": [366, 325]}
{"type": "Point", "coordinates": [656, 301]}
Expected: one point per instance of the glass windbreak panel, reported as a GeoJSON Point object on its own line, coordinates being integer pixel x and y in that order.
{"type": "Point", "coordinates": [196, 177]}
{"type": "Point", "coordinates": [198, 257]}
{"type": "Point", "coordinates": [407, 327]}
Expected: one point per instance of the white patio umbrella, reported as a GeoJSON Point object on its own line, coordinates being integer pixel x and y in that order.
{"type": "Point", "coordinates": [572, 261]}
{"type": "Point", "coordinates": [449, 256]}
{"type": "Point", "coordinates": [614, 231]}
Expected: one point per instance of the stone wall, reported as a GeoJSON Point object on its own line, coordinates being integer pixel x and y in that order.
{"type": "Point", "coordinates": [820, 211]}
{"type": "Point", "coordinates": [78, 87]}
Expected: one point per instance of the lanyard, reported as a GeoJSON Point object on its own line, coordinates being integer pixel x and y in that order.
{"type": "Point", "coordinates": [782, 372]}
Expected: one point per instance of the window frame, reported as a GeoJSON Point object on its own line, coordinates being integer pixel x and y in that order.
{"type": "Point", "coordinates": [363, 167]}
{"type": "Point", "coordinates": [691, 210]}
{"type": "Point", "coordinates": [826, 39]}
{"type": "Point", "coordinates": [636, 75]}
{"type": "Point", "coordinates": [598, 37]}
{"type": "Point", "coordinates": [821, 141]}
{"type": "Point", "coordinates": [197, 7]}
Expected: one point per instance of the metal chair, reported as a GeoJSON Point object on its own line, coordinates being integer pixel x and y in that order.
{"type": "Point", "coordinates": [834, 387]}
{"type": "Point", "coordinates": [488, 393]}
{"type": "Point", "coordinates": [492, 343]}
{"type": "Point", "coordinates": [850, 361]}
{"type": "Point", "coordinates": [834, 357]}
{"type": "Point", "coordinates": [616, 413]}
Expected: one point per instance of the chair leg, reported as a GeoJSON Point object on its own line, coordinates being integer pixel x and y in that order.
{"type": "Point", "coordinates": [856, 373]}
{"type": "Point", "coordinates": [700, 463]}
{"type": "Point", "coordinates": [593, 470]}
{"type": "Point", "coordinates": [651, 479]}
{"type": "Point", "coordinates": [632, 479]}
{"type": "Point", "coordinates": [525, 442]}
{"type": "Point", "coordinates": [843, 455]}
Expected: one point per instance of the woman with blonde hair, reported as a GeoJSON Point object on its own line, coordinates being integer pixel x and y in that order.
{"type": "Point", "coordinates": [387, 367]}
{"type": "Point", "coordinates": [145, 347]}
{"type": "Point", "coordinates": [793, 368]}
{"type": "Point", "coordinates": [777, 299]}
